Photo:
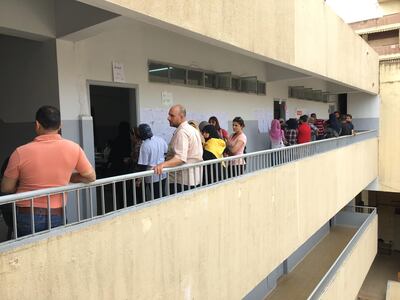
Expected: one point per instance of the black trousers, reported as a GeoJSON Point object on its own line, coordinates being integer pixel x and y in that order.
{"type": "Point", "coordinates": [236, 170]}
{"type": "Point", "coordinates": [156, 189]}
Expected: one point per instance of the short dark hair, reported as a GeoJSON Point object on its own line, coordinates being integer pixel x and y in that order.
{"type": "Point", "coordinates": [350, 116]}
{"type": "Point", "coordinates": [49, 117]}
{"type": "Point", "coordinates": [304, 118]}
{"type": "Point", "coordinates": [238, 120]}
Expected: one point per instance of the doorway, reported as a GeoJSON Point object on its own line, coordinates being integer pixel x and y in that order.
{"type": "Point", "coordinates": [280, 110]}
{"type": "Point", "coordinates": [110, 106]}
{"type": "Point", "coordinates": [342, 103]}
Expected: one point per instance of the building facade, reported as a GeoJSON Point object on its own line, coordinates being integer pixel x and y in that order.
{"type": "Point", "coordinates": [102, 62]}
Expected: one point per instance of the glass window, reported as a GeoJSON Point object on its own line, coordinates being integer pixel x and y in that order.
{"type": "Point", "coordinates": [261, 88]}
{"type": "Point", "coordinates": [195, 78]}
{"type": "Point", "coordinates": [236, 84]}
{"type": "Point", "coordinates": [224, 81]}
{"type": "Point", "coordinates": [248, 84]}
{"type": "Point", "coordinates": [308, 94]}
{"type": "Point", "coordinates": [210, 80]}
{"type": "Point", "coordinates": [158, 72]}
{"type": "Point", "coordinates": [177, 75]}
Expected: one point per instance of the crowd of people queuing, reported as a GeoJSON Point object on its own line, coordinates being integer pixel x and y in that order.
{"type": "Point", "coordinates": [195, 142]}
{"type": "Point", "coordinates": [309, 128]}
{"type": "Point", "coordinates": [51, 161]}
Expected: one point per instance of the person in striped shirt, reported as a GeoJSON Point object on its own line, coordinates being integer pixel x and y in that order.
{"type": "Point", "coordinates": [319, 123]}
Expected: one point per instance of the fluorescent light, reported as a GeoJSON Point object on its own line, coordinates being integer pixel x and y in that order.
{"type": "Point", "coordinates": [158, 70]}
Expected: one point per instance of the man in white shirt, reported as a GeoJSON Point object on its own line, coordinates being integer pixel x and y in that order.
{"type": "Point", "coordinates": [185, 148]}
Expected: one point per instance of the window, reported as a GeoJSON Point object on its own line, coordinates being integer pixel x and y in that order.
{"type": "Point", "coordinates": [308, 94]}
{"type": "Point", "coordinates": [300, 92]}
{"type": "Point", "coordinates": [177, 75]}
{"type": "Point", "coordinates": [261, 88]}
{"type": "Point", "coordinates": [249, 84]}
{"type": "Point", "coordinates": [210, 80]}
{"type": "Point", "coordinates": [318, 95]}
{"type": "Point", "coordinates": [224, 81]}
{"type": "Point", "coordinates": [236, 84]}
{"type": "Point", "coordinates": [195, 78]}
{"type": "Point", "coordinates": [158, 72]}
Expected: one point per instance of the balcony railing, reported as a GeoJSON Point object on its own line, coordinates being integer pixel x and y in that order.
{"type": "Point", "coordinates": [333, 270]}
{"type": "Point", "coordinates": [108, 195]}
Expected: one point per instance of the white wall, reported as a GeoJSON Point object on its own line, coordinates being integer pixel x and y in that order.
{"type": "Point", "coordinates": [134, 44]}
{"type": "Point", "coordinates": [278, 88]}
{"type": "Point", "coordinates": [365, 110]}
{"type": "Point", "coordinates": [362, 105]}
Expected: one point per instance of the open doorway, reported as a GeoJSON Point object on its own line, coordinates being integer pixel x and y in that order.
{"type": "Point", "coordinates": [110, 107]}
{"type": "Point", "coordinates": [280, 109]}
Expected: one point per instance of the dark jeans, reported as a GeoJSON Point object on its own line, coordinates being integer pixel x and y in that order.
{"type": "Point", "coordinates": [41, 222]}
{"type": "Point", "coordinates": [7, 212]}
{"type": "Point", "coordinates": [156, 189]}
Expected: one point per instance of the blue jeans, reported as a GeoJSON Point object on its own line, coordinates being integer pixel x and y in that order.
{"type": "Point", "coordinates": [41, 222]}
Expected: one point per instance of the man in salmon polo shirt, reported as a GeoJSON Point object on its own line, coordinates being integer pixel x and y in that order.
{"type": "Point", "coordinates": [48, 161]}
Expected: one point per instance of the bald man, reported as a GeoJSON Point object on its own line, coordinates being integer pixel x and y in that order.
{"type": "Point", "coordinates": [185, 148]}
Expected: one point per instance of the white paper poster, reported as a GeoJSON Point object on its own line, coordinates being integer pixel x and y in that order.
{"type": "Point", "coordinates": [157, 119]}
{"type": "Point", "coordinates": [118, 72]}
{"type": "Point", "coordinates": [167, 99]}
{"type": "Point", "coordinates": [299, 112]}
{"type": "Point", "coordinates": [264, 119]}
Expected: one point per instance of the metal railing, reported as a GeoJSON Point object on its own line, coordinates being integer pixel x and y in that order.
{"type": "Point", "coordinates": [329, 276]}
{"type": "Point", "coordinates": [108, 195]}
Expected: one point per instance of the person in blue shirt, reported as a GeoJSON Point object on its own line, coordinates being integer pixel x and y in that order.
{"type": "Point", "coordinates": [152, 152]}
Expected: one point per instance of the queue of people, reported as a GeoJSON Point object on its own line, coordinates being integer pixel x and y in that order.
{"type": "Point", "coordinates": [307, 129]}
{"type": "Point", "coordinates": [138, 149]}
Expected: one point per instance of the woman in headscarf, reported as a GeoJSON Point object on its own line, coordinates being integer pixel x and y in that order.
{"type": "Point", "coordinates": [291, 132]}
{"type": "Point", "coordinates": [276, 135]}
{"type": "Point", "coordinates": [214, 148]}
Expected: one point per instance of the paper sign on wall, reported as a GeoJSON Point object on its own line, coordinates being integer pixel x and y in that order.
{"type": "Point", "coordinates": [157, 119]}
{"type": "Point", "coordinates": [300, 112]}
{"type": "Point", "coordinates": [167, 99]}
{"type": "Point", "coordinates": [118, 72]}
{"type": "Point", "coordinates": [264, 118]}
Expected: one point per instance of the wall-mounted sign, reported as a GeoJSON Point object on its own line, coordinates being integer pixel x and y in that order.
{"type": "Point", "coordinates": [167, 99]}
{"type": "Point", "coordinates": [300, 112]}
{"type": "Point", "coordinates": [118, 72]}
